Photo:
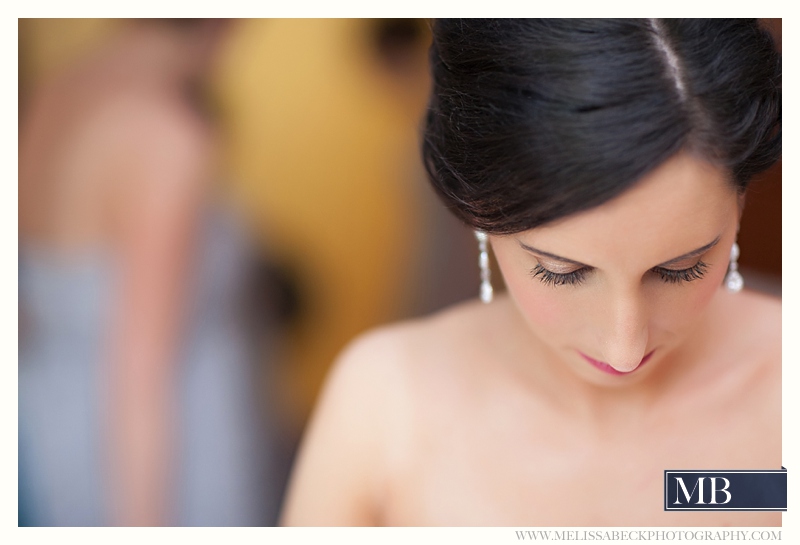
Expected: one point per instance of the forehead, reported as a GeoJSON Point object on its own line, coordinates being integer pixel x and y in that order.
{"type": "Point", "coordinates": [681, 205]}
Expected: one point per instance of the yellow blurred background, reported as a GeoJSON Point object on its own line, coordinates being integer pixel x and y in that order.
{"type": "Point", "coordinates": [323, 148]}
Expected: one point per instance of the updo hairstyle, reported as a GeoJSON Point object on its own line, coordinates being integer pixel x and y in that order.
{"type": "Point", "coordinates": [531, 120]}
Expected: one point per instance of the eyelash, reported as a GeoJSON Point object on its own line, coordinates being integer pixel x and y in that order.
{"type": "Point", "coordinates": [669, 276]}
{"type": "Point", "coordinates": [558, 279]}
{"type": "Point", "coordinates": [684, 275]}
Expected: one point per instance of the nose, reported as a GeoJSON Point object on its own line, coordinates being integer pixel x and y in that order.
{"type": "Point", "coordinates": [625, 339]}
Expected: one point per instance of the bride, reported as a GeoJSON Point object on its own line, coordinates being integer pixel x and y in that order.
{"type": "Point", "coordinates": [604, 163]}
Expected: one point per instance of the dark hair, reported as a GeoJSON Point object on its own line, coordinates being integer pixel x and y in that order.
{"type": "Point", "coordinates": [532, 120]}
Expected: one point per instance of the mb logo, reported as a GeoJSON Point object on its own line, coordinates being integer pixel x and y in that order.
{"type": "Point", "coordinates": [716, 485]}
{"type": "Point", "coordinates": [735, 490]}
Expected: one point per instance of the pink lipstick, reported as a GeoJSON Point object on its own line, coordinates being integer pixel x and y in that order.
{"type": "Point", "coordinates": [610, 370]}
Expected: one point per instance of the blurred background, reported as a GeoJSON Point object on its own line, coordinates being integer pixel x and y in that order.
{"type": "Point", "coordinates": [304, 219]}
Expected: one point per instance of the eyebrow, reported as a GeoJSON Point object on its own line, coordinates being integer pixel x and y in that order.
{"type": "Point", "coordinates": [687, 255]}
{"type": "Point", "coordinates": [693, 253]}
{"type": "Point", "coordinates": [551, 256]}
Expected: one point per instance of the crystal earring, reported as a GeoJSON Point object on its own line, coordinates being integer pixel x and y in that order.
{"type": "Point", "coordinates": [483, 261]}
{"type": "Point", "coordinates": [733, 280]}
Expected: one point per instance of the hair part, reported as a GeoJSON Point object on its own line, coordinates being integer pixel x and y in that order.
{"type": "Point", "coordinates": [675, 70]}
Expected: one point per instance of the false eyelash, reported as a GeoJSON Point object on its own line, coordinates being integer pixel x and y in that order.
{"type": "Point", "coordinates": [558, 279]}
{"type": "Point", "coordinates": [684, 275]}
{"type": "Point", "coordinates": [670, 276]}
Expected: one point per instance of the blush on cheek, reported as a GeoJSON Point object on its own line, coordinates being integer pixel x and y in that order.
{"type": "Point", "coordinates": [706, 292]}
{"type": "Point", "coordinates": [542, 307]}
{"type": "Point", "coordinates": [679, 311]}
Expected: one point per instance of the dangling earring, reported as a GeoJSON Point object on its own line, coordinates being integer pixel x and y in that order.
{"type": "Point", "coordinates": [483, 261]}
{"type": "Point", "coordinates": [733, 280]}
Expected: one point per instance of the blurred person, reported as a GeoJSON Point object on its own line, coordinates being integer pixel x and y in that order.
{"type": "Point", "coordinates": [136, 401]}
{"type": "Point", "coordinates": [605, 164]}
{"type": "Point", "coordinates": [356, 153]}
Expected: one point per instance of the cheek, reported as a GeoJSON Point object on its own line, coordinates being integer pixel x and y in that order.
{"type": "Point", "coordinates": [546, 309]}
{"type": "Point", "coordinates": [706, 291]}
{"type": "Point", "coordinates": [700, 299]}
{"type": "Point", "coordinates": [678, 311]}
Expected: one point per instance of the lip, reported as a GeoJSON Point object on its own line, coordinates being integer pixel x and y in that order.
{"type": "Point", "coordinates": [610, 370]}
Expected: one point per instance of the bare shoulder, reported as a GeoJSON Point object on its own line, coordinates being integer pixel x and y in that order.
{"type": "Point", "coordinates": [423, 334]}
{"type": "Point", "coordinates": [161, 160]}
{"type": "Point", "coordinates": [363, 418]}
{"type": "Point", "coordinates": [386, 367]}
{"type": "Point", "coordinates": [447, 343]}
{"type": "Point", "coordinates": [418, 374]}
{"type": "Point", "coordinates": [339, 473]}
{"type": "Point", "coordinates": [158, 130]}
{"type": "Point", "coordinates": [135, 146]}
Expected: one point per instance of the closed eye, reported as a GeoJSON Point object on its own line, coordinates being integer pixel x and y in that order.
{"type": "Point", "coordinates": [672, 276]}
{"type": "Point", "coordinates": [559, 279]}
{"type": "Point", "coordinates": [577, 276]}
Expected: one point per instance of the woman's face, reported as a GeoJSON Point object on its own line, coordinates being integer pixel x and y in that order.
{"type": "Point", "coordinates": [619, 286]}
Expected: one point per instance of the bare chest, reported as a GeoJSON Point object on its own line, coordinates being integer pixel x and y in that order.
{"type": "Point", "coordinates": [503, 474]}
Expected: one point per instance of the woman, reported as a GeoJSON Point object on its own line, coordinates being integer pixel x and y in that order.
{"type": "Point", "coordinates": [606, 162]}
{"type": "Point", "coordinates": [134, 369]}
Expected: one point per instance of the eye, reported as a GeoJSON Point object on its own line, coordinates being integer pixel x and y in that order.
{"type": "Point", "coordinates": [684, 275]}
{"type": "Point", "coordinates": [558, 279]}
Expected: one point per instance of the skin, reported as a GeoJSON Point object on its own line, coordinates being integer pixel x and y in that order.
{"type": "Point", "coordinates": [488, 414]}
{"type": "Point", "coordinates": [115, 160]}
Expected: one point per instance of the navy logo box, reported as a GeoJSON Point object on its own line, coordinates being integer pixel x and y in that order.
{"type": "Point", "coordinates": [732, 490]}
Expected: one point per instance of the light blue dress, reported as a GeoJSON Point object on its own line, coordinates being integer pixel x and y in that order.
{"type": "Point", "coordinates": [223, 460]}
